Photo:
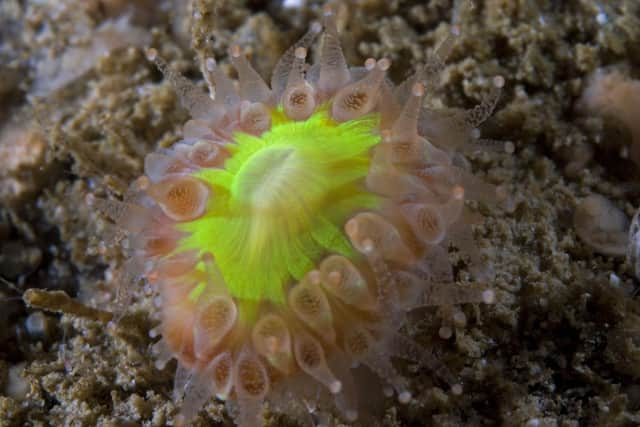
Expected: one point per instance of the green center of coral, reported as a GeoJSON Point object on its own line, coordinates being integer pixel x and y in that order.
{"type": "Point", "coordinates": [260, 182]}
{"type": "Point", "coordinates": [281, 202]}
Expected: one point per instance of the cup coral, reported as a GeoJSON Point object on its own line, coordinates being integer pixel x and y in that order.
{"type": "Point", "coordinates": [296, 223]}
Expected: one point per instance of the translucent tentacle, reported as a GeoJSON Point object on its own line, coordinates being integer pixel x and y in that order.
{"type": "Point", "coordinates": [284, 66]}
{"type": "Point", "coordinates": [481, 112]}
{"type": "Point", "coordinates": [198, 103]}
{"type": "Point", "coordinates": [252, 86]}
{"type": "Point", "coordinates": [197, 391]}
{"type": "Point", "coordinates": [221, 88]}
{"type": "Point", "coordinates": [182, 377]}
{"type": "Point", "coordinates": [404, 348]}
{"type": "Point", "coordinates": [334, 72]}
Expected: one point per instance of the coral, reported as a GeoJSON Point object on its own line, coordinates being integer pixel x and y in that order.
{"type": "Point", "coordinates": [560, 346]}
{"type": "Point", "coordinates": [289, 175]}
{"type": "Point", "coordinates": [290, 231]}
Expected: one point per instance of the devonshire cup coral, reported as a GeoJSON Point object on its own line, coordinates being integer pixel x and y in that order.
{"type": "Point", "coordinates": [291, 230]}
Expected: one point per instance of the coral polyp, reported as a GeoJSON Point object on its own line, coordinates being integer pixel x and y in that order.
{"type": "Point", "coordinates": [290, 231]}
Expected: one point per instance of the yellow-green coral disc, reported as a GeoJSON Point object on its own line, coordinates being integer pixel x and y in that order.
{"type": "Point", "coordinates": [281, 201]}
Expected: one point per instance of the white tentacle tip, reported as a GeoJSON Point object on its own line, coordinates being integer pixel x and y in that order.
{"type": "Point", "coordinates": [301, 53]}
{"type": "Point", "coordinates": [152, 54]}
{"type": "Point", "coordinates": [335, 387]}
{"type": "Point", "coordinates": [235, 51]}
{"type": "Point", "coordinates": [369, 64]}
{"type": "Point", "coordinates": [384, 64]}
{"type": "Point", "coordinates": [418, 90]}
